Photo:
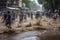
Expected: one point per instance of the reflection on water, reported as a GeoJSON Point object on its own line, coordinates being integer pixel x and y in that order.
{"type": "Point", "coordinates": [6, 36]}
{"type": "Point", "coordinates": [24, 36]}
{"type": "Point", "coordinates": [30, 36]}
{"type": "Point", "coordinates": [10, 37]}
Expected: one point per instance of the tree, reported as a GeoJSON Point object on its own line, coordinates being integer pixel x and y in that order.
{"type": "Point", "coordinates": [33, 5]}
{"type": "Point", "coordinates": [27, 2]}
{"type": "Point", "coordinates": [30, 4]}
{"type": "Point", "coordinates": [50, 4]}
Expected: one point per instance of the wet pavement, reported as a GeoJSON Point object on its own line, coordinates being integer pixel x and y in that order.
{"type": "Point", "coordinates": [32, 35]}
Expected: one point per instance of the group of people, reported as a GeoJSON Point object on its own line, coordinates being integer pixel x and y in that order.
{"type": "Point", "coordinates": [24, 15]}
{"type": "Point", "coordinates": [8, 18]}
{"type": "Point", "coordinates": [52, 14]}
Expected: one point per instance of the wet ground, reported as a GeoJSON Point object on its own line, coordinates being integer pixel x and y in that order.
{"type": "Point", "coordinates": [32, 35]}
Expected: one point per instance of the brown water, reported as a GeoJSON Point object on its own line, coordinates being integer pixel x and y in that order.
{"type": "Point", "coordinates": [30, 35]}
{"type": "Point", "coordinates": [13, 36]}
{"type": "Point", "coordinates": [6, 36]}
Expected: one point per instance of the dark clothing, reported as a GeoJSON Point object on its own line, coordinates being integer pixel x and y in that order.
{"type": "Point", "coordinates": [28, 14]}
{"type": "Point", "coordinates": [31, 15]}
{"type": "Point", "coordinates": [8, 19]}
{"type": "Point", "coordinates": [37, 15]}
{"type": "Point", "coordinates": [21, 17]}
{"type": "Point", "coordinates": [59, 13]}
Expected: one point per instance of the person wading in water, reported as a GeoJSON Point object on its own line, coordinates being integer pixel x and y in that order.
{"type": "Point", "coordinates": [8, 19]}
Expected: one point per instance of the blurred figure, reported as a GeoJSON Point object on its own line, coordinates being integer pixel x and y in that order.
{"type": "Point", "coordinates": [37, 15]}
{"type": "Point", "coordinates": [25, 15]}
{"type": "Point", "coordinates": [41, 14]}
{"type": "Point", "coordinates": [8, 19]}
{"type": "Point", "coordinates": [55, 14]}
{"type": "Point", "coordinates": [21, 17]}
{"type": "Point", "coordinates": [31, 15]}
{"type": "Point", "coordinates": [28, 14]}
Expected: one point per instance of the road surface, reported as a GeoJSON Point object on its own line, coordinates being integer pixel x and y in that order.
{"type": "Point", "coordinates": [32, 35]}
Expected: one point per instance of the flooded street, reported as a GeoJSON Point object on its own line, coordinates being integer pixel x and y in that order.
{"type": "Point", "coordinates": [29, 20]}
{"type": "Point", "coordinates": [31, 35]}
{"type": "Point", "coordinates": [5, 37]}
{"type": "Point", "coordinates": [41, 32]}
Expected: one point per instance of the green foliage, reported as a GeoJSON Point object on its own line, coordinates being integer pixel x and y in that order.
{"type": "Point", "coordinates": [30, 4]}
{"type": "Point", "coordinates": [27, 2]}
{"type": "Point", "coordinates": [33, 5]}
{"type": "Point", "coordinates": [50, 4]}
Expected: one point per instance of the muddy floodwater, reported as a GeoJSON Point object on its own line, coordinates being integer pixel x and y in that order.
{"type": "Point", "coordinates": [31, 35]}
{"type": "Point", "coordinates": [6, 36]}
{"type": "Point", "coordinates": [13, 36]}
